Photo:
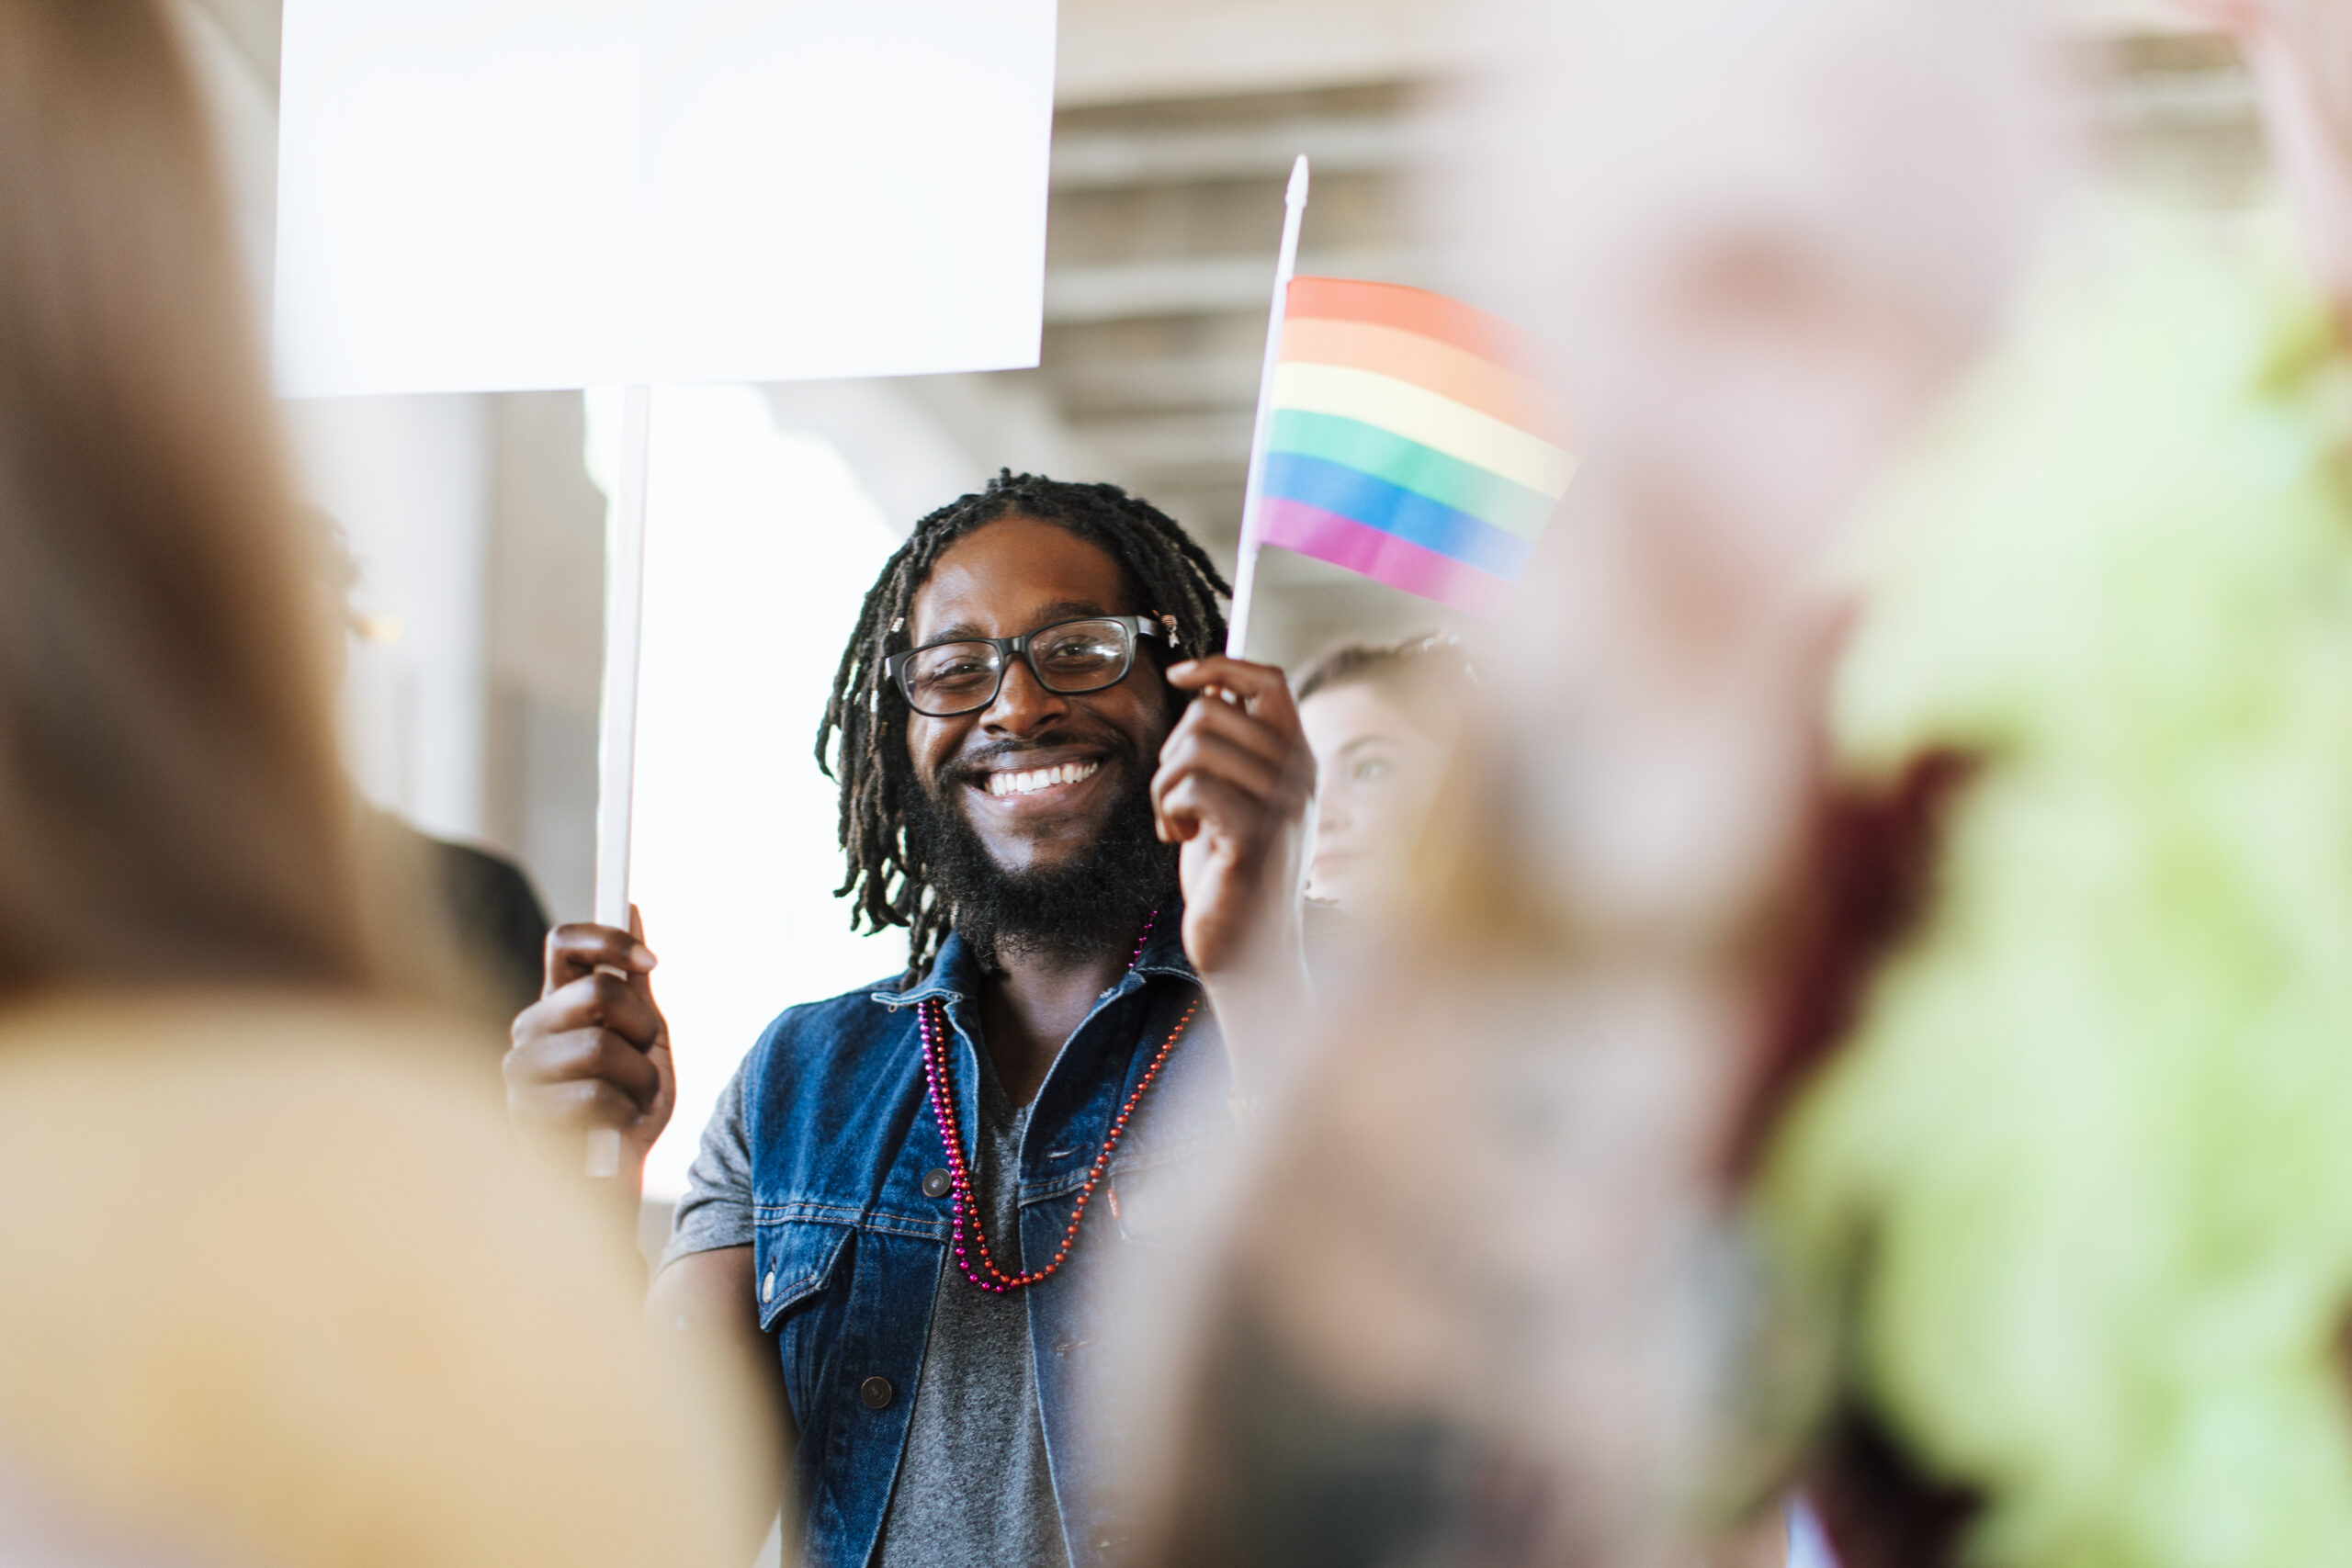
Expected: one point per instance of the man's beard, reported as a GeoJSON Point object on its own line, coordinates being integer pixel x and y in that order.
{"type": "Point", "coordinates": [1087, 904]}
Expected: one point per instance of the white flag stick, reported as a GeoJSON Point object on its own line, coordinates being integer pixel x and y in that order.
{"type": "Point", "coordinates": [1244, 572]}
{"type": "Point", "coordinates": [617, 726]}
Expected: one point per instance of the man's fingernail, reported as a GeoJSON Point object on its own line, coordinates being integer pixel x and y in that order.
{"type": "Point", "coordinates": [643, 956]}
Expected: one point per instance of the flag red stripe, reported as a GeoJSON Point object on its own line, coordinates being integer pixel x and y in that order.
{"type": "Point", "coordinates": [1408, 309]}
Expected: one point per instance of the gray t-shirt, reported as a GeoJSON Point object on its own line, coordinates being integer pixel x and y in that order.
{"type": "Point", "coordinates": [973, 1489]}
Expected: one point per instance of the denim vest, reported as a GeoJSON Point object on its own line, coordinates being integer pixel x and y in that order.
{"type": "Point", "coordinates": [849, 1248]}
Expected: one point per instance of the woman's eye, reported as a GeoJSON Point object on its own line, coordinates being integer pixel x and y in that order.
{"type": "Point", "coordinates": [1371, 770]}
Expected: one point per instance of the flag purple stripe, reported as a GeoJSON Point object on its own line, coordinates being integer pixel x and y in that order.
{"type": "Point", "coordinates": [1344, 542]}
{"type": "Point", "coordinates": [1368, 498]}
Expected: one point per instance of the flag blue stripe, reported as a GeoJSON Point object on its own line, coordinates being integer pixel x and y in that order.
{"type": "Point", "coordinates": [1374, 503]}
{"type": "Point", "coordinates": [1407, 464]}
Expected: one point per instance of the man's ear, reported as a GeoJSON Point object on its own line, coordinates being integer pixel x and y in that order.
{"type": "Point", "coordinates": [2239, 18]}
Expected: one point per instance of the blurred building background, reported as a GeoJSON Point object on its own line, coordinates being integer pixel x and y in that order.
{"type": "Point", "coordinates": [480, 531]}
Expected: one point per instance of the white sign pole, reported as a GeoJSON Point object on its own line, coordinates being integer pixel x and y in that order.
{"type": "Point", "coordinates": [1245, 571]}
{"type": "Point", "coordinates": [616, 725]}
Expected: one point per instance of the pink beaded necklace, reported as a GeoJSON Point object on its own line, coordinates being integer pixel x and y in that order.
{"type": "Point", "coordinates": [933, 1020]}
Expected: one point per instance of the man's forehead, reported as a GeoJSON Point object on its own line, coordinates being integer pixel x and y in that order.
{"type": "Point", "coordinates": [1014, 574]}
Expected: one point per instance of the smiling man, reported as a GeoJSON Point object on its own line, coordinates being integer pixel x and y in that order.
{"type": "Point", "coordinates": [905, 1210]}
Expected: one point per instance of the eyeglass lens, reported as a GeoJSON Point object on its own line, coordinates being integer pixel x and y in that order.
{"type": "Point", "coordinates": [1076, 656]}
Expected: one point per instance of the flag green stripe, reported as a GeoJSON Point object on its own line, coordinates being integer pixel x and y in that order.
{"type": "Point", "coordinates": [1448, 481]}
{"type": "Point", "coordinates": [1432, 419]}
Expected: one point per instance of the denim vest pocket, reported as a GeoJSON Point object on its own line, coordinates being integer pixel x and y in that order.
{"type": "Point", "coordinates": [794, 1261]}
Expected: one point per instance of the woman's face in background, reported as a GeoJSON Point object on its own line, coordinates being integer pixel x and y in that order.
{"type": "Point", "coordinates": [1379, 771]}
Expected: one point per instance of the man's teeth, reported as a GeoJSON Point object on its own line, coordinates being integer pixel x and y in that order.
{"type": "Point", "coordinates": [1036, 779]}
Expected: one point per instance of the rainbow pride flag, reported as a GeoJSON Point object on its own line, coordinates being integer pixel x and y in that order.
{"type": "Point", "coordinates": [1405, 446]}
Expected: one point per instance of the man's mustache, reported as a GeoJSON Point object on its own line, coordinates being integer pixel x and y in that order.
{"type": "Point", "coordinates": [992, 756]}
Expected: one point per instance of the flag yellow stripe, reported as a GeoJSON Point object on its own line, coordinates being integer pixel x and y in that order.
{"type": "Point", "coordinates": [1419, 414]}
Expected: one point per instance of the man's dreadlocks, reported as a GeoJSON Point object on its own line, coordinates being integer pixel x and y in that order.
{"type": "Point", "coordinates": [1169, 574]}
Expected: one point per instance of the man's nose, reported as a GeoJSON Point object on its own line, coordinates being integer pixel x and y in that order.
{"type": "Point", "coordinates": [1023, 705]}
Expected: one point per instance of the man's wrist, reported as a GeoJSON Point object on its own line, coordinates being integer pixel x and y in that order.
{"type": "Point", "coordinates": [1263, 1008]}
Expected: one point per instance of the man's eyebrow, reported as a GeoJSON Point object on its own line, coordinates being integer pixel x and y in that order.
{"type": "Point", "coordinates": [1060, 610]}
{"type": "Point", "coordinates": [1069, 610]}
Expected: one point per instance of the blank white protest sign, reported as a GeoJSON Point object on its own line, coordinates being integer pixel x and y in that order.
{"type": "Point", "coordinates": [502, 195]}
{"type": "Point", "coordinates": [493, 195]}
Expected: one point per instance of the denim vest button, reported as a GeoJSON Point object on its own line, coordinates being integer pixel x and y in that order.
{"type": "Point", "coordinates": [935, 1183]}
{"type": "Point", "coordinates": [767, 1287]}
{"type": "Point", "coordinates": [877, 1392]}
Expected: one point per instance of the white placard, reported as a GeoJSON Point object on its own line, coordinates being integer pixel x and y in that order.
{"type": "Point", "coordinates": [486, 194]}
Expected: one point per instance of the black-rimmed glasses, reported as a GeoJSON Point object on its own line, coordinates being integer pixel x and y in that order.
{"type": "Point", "coordinates": [942, 680]}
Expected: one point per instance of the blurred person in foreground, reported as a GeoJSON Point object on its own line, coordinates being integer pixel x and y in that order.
{"type": "Point", "coordinates": [35, 1533]}
{"type": "Point", "coordinates": [2074, 1186]}
{"type": "Point", "coordinates": [1485, 1297]}
{"type": "Point", "coordinates": [1381, 719]}
{"type": "Point", "coordinates": [277, 1292]}
{"type": "Point", "coordinates": [1099, 868]}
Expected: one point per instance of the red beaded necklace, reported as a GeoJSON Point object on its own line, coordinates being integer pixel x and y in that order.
{"type": "Point", "coordinates": [933, 1020]}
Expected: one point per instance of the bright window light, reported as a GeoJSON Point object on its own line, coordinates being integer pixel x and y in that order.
{"type": "Point", "coordinates": [759, 547]}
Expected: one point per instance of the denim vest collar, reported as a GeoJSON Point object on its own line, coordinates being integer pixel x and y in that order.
{"type": "Point", "coordinates": [954, 974]}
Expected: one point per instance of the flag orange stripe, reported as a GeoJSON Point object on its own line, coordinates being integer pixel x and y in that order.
{"type": "Point", "coordinates": [1426, 362]}
{"type": "Point", "coordinates": [1406, 310]}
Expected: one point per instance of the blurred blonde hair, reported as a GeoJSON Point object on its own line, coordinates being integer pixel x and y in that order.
{"type": "Point", "coordinates": [282, 1291]}
{"type": "Point", "coordinates": [171, 804]}
{"type": "Point", "coordinates": [301, 1306]}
